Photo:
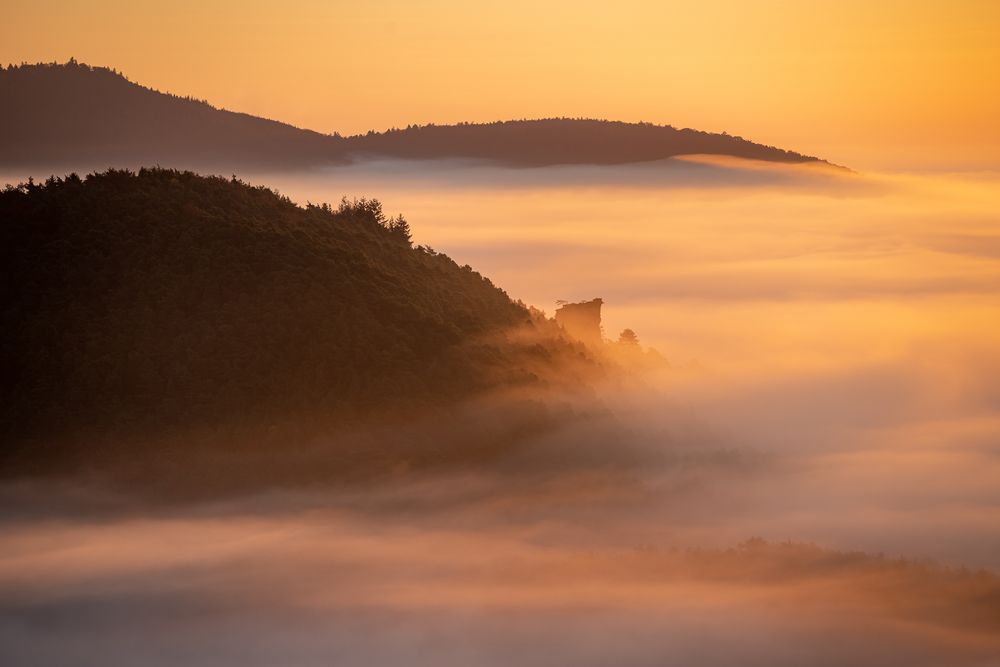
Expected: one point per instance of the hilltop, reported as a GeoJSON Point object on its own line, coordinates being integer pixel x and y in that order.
{"type": "Point", "coordinates": [553, 141]}
{"type": "Point", "coordinates": [75, 116]}
{"type": "Point", "coordinates": [58, 115]}
{"type": "Point", "coordinates": [161, 301]}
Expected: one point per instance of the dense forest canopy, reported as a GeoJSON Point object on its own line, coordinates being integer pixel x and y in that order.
{"type": "Point", "coordinates": [135, 302]}
{"type": "Point", "coordinates": [71, 114]}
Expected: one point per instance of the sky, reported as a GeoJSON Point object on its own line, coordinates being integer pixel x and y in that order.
{"type": "Point", "coordinates": [902, 85]}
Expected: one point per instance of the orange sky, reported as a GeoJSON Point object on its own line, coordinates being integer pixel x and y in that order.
{"type": "Point", "coordinates": [901, 84]}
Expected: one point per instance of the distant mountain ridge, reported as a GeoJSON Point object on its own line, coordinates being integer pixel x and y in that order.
{"type": "Point", "coordinates": [553, 141]}
{"type": "Point", "coordinates": [64, 114]}
{"type": "Point", "coordinates": [75, 116]}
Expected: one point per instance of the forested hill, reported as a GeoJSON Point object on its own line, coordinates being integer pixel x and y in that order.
{"type": "Point", "coordinates": [80, 117]}
{"type": "Point", "coordinates": [559, 141]}
{"type": "Point", "coordinates": [134, 302]}
{"type": "Point", "coordinates": [75, 115]}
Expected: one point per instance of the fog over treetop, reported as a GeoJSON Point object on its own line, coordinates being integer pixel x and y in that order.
{"type": "Point", "coordinates": [154, 303]}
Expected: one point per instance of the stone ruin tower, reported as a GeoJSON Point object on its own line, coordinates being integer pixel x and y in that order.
{"type": "Point", "coordinates": [582, 320]}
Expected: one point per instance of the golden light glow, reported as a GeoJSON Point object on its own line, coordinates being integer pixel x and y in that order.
{"type": "Point", "coordinates": [888, 84]}
{"type": "Point", "coordinates": [826, 400]}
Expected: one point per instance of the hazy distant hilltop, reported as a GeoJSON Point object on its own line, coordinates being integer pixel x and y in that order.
{"type": "Point", "coordinates": [553, 141]}
{"type": "Point", "coordinates": [61, 115]}
{"type": "Point", "coordinates": [76, 116]}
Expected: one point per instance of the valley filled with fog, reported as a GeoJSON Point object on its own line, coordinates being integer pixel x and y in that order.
{"type": "Point", "coordinates": [812, 479]}
{"type": "Point", "coordinates": [843, 323]}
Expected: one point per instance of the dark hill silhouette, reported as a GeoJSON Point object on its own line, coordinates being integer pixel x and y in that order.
{"type": "Point", "coordinates": [140, 303]}
{"type": "Point", "coordinates": [560, 141]}
{"type": "Point", "coordinates": [73, 115]}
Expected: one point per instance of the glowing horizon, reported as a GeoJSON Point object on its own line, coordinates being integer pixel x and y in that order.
{"type": "Point", "coordinates": [278, 399]}
{"type": "Point", "coordinates": [894, 86]}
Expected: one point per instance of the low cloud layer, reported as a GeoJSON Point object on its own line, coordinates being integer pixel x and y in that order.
{"type": "Point", "coordinates": [320, 587]}
{"type": "Point", "coordinates": [833, 391]}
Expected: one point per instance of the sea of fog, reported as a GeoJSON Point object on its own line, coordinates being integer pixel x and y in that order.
{"type": "Point", "coordinates": [845, 324]}
{"type": "Point", "coordinates": [832, 397]}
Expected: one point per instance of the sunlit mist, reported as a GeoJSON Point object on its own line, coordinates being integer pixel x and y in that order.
{"type": "Point", "coordinates": [716, 385]}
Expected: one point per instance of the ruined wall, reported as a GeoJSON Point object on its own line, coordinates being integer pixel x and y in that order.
{"type": "Point", "coordinates": [582, 320]}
